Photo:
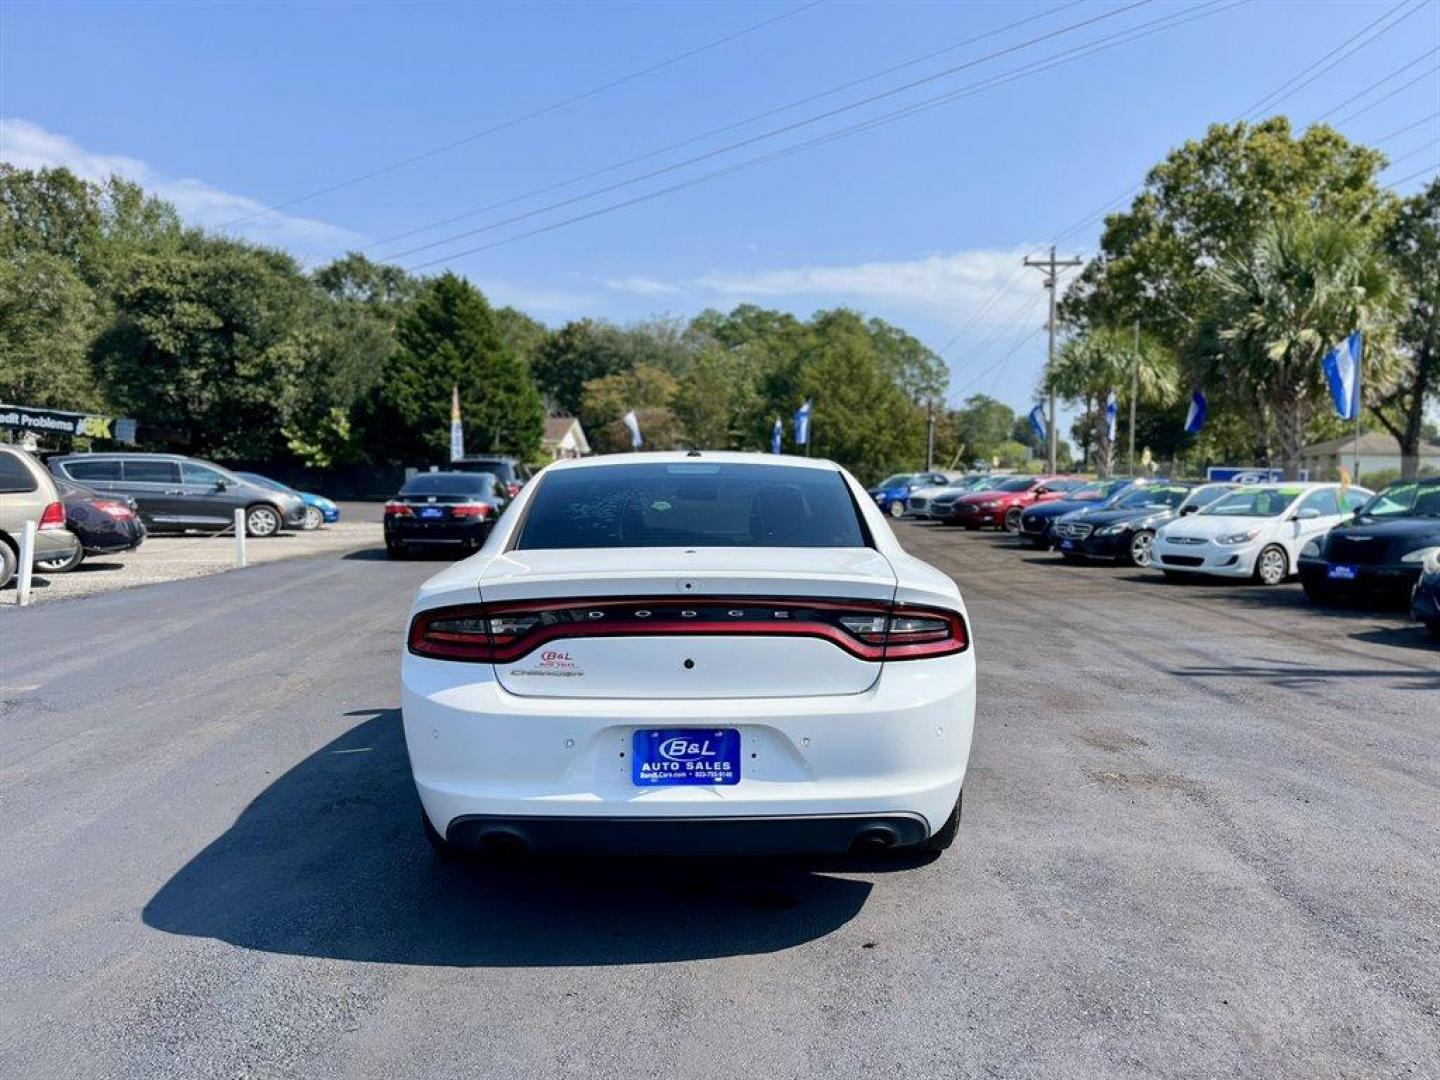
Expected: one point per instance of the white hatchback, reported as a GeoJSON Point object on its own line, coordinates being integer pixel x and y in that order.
{"type": "Point", "coordinates": [690, 653]}
{"type": "Point", "coordinates": [1256, 532]}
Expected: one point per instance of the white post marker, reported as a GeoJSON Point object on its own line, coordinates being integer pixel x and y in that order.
{"type": "Point", "coordinates": [240, 539]}
{"type": "Point", "coordinates": [27, 563]}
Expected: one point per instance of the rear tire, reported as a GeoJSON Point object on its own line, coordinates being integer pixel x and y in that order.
{"type": "Point", "coordinates": [1272, 565]}
{"type": "Point", "coordinates": [262, 521]}
{"type": "Point", "coordinates": [944, 836]}
{"type": "Point", "coordinates": [61, 566]}
{"type": "Point", "coordinates": [395, 550]}
{"type": "Point", "coordinates": [8, 564]}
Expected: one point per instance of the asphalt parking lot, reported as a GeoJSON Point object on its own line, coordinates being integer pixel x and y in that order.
{"type": "Point", "coordinates": [1201, 839]}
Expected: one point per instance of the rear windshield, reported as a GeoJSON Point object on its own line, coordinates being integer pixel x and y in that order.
{"type": "Point", "coordinates": [449, 483]}
{"type": "Point", "coordinates": [691, 505]}
{"type": "Point", "coordinates": [505, 470]}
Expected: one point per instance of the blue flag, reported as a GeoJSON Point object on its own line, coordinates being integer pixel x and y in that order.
{"type": "Point", "coordinates": [802, 424]}
{"type": "Point", "coordinates": [1195, 418]}
{"type": "Point", "coordinates": [1342, 371]}
{"type": "Point", "coordinates": [775, 437]}
{"type": "Point", "coordinates": [1037, 421]}
{"type": "Point", "coordinates": [1111, 412]}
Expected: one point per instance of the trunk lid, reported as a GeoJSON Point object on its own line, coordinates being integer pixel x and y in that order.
{"type": "Point", "coordinates": [746, 663]}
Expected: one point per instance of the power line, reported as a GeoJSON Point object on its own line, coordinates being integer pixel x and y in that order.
{"type": "Point", "coordinates": [1410, 154]}
{"type": "Point", "coordinates": [1378, 83]}
{"type": "Point", "coordinates": [723, 129]}
{"type": "Point", "coordinates": [531, 115]}
{"type": "Point", "coordinates": [1381, 100]}
{"type": "Point", "coordinates": [1294, 83]}
{"type": "Point", "coordinates": [1420, 172]}
{"type": "Point", "coordinates": [1035, 67]}
{"type": "Point", "coordinates": [770, 134]}
{"type": "Point", "coordinates": [1401, 131]}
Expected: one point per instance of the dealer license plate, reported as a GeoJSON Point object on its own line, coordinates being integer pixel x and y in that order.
{"type": "Point", "coordinates": [1342, 573]}
{"type": "Point", "coordinates": [685, 756]}
{"type": "Point", "coordinates": [1067, 545]}
{"type": "Point", "coordinates": [430, 513]}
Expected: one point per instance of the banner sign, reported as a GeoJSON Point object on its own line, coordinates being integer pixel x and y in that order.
{"type": "Point", "coordinates": [58, 422]}
{"type": "Point", "coordinates": [1241, 474]}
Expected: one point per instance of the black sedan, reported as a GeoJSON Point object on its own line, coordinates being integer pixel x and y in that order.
{"type": "Point", "coordinates": [1037, 521]}
{"type": "Point", "coordinates": [1425, 600]}
{"type": "Point", "coordinates": [1125, 530]}
{"type": "Point", "coordinates": [104, 524]}
{"type": "Point", "coordinates": [443, 509]}
{"type": "Point", "coordinates": [1381, 552]}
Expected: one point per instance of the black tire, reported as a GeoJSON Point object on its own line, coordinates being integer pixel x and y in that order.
{"type": "Point", "coordinates": [1012, 520]}
{"type": "Point", "coordinates": [396, 550]}
{"type": "Point", "coordinates": [444, 850]}
{"type": "Point", "coordinates": [61, 566]}
{"type": "Point", "coordinates": [263, 520]}
{"type": "Point", "coordinates": [1141, 549]}
{"type": "Point", "coordinates": [944, 836]}
{"type": "Point", "coordinates": [1272, 565]}
{"type": "Point", "coordinates": [8, 563]}
{"type": "Point", "coordinates": [314, 518]}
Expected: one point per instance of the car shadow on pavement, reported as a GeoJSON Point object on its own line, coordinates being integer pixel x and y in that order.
{"type": "Point", "coordinates": [330, 861]}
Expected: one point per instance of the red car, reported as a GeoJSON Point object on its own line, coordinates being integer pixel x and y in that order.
{"type": "Point", "coordinates": [1002, 505]}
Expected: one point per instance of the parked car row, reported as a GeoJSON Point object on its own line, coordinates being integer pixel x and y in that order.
{"type": "Point", "coordinates": [107, 503]}
{"type": "Point", "coordinates": [1343, 542]}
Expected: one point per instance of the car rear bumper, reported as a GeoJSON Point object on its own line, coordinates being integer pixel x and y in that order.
{"type": "Point", "coordinates": [687, 835]}
{"type": "Point", "coordinates": [405, 531]}
{"type": "Point", "coordinates": [821, 767]}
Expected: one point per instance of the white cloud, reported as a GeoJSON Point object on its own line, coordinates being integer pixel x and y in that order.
{"type": "Point", "coordinates": [952, 288]}
{"type": "Point", "coordinates": [29, 146]}
{"type": "Point", "coordinates": [640, 285]}
{"type": "Point", "coordinates": [532, 299]}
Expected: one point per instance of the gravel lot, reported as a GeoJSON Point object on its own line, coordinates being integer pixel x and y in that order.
{"type": "Point", "coordinates": [170, 558]}
{"type": "Point", "coordinates": [1201, 839]}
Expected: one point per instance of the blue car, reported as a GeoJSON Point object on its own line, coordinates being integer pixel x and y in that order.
{"type": "Point", "coordinates": [318, 509]}
{"type": "Point", "coordinates": [890, 494]}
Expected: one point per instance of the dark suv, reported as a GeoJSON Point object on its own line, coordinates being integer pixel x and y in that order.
{"type": "Point", "coordinates": [1381, 551]}
{"type": "Point", "coordinates": [509, 471]}
{"type": "Point", "coordinates": [176, 493]}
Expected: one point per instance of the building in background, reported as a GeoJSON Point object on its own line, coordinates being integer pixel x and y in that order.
{"type": "Point", "coordinates": [564, 438]}
{"type": "Point", "coordinates": [1379, 452]}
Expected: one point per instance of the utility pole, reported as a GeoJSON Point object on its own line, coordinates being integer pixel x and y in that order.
{"type": "Point", "coordinates": [1052, 267]}
{"type": "Point", "coordinates": [1134, 393]}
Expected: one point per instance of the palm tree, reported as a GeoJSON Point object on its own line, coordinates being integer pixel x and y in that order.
{"type": "Point", "coordinates": [1089, 367]}
{"type": "Point", "coordinates": [1301, 288]}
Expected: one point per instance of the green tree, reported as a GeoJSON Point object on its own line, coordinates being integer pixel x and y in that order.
{"type": "Point", "coordinates": [1304, 285]}
{"type": "Point", "coordinates": [448, 338]}
{"type": "Point", "coordinates": [649, 391]}
{"type": "Point", "coordinates": [982, 424]}
{"type": "Point", "coordinates": [1412, 243]}
{"type": "Point", "coordinates": [48, 319]}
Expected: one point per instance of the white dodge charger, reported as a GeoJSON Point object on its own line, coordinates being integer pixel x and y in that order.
{"type": "Point", "coordinates": [690, 653]}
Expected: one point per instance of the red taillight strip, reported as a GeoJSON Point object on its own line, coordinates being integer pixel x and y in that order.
{"type": "Point", "coordinates": [452, 645]}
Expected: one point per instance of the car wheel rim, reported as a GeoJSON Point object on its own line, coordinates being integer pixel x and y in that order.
{"type": "Point", "coordinates": [1012, 521]}
{"type": "Point", "coordinates": [313, 518]}
{"type": "Point", "coordinates": [260, 523]}
{"type": "Point", "coordinates": [896, 509]}
{"type": "Point", "coordinates": [1272, 567]}
{"type": "Point", "coordinates": [1142, 549]}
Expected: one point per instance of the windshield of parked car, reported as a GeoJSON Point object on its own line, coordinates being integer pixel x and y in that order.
{"type": "Point", "coordinates": [1153, 495]}
{"type": "Point", "coordinates": [1092, 491]}
{"type": "Point", "coordinates": [700, 504]}
{"type": "Point", "coordinates": [450, 483]}
{"type": "Point", "coordinates": [898, 480]}
{"type": "Point", "coordinates": [1204, 496]}
{"type": "Point", "coordinates": [1023, 483]}
{"type": "Point", "coordinates": [263, 481]}
{"type": "Point", "coordinates": [1254, 502]}
{"type": "Point", "coordinates": [1404, 500]}
{"type": "Point", "coordinates": [985, 483]}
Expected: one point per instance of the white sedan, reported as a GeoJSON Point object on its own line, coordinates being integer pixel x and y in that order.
{"type": "Point", "coordinates": [690, 653]}
{"type": "Point", "coordinates": [1256, 532]}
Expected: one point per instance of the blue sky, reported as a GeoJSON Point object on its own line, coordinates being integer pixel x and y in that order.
{"type": "Point", "coordinates": [227, 108]}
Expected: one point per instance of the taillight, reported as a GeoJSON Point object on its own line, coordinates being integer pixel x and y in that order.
{"type": "Point", "coordinates": [471, 510]}
{"type": "Point", "coordinates": [502, 633]}
{"type": "Point", "coordinates": [399, 509]}
{"type": "Point", "coordinates": [117, 510]}
{"type": "Point", "coordinates": [53, 517]}
{"type": "Point", "coordinates": [513, 488]}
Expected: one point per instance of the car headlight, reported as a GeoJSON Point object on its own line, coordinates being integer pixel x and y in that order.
{"type": "Point", "coordinates": [1240, 537]}
{"type": "Point", "coordinates": [1429, 556]}
{"type": "Point", "coordinates": [1112, 530]}
{"type": "Point", "coordinates": [1311, 550]}
{"type": "Point", "coordinates": [989, 505]}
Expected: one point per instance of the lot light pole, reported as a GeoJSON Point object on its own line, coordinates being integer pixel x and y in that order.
{"type": "Point", "coordinates": [1134, 393]}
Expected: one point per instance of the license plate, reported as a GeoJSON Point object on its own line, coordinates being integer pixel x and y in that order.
{"type": "Point", "coordinates": [430, 513]}
{"type": "Point", "coordinates": [685, 756]}
{"type": "Point", "coordinates": [1343, 573]}
{"type": "Point", "coordinates": [1067, 545]}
